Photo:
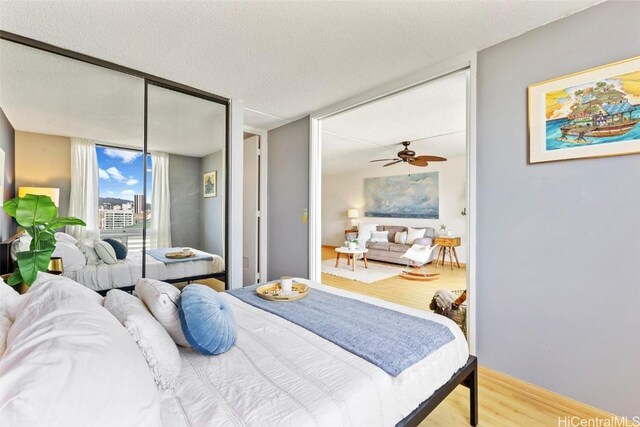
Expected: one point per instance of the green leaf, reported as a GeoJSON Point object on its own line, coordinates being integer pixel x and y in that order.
{"type": "Point", "coordinates": [15, 278]}
{"type": "Point", "coordinates": [10, 207]}
{"type": "Point", "coordinates": [35, 210]}
{"type": "Point", "coordinates": [31, 262]}
{"type": "Point", "coordinates": [65, 220]}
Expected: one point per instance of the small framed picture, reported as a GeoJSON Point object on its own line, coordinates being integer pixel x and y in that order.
{"type": "Point", "coordinates": [210, 184]}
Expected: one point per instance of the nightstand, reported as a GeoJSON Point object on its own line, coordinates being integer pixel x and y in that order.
{"type": "Point", "coordinates": [350, 235]}
{"type": "Point", "coordinates": [447, 246]}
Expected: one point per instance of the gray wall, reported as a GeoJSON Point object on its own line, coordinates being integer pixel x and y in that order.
{"type": "Point", "coordinates": [558, 243]}
{"type": "Point", "coordinates": [185, 188]}
{"type": "Point", "coordinates": [288, 195]}
{"type": "Point", "coordinates": [7, 144]}
{"type": "Point", "coordinates": [212, 208]}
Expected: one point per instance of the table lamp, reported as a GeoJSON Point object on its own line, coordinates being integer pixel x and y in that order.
{"type": "Point", "coordinates": [353, 215]}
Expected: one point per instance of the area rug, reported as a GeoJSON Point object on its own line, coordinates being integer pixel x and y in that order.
{"type": "Point", "coordinates": [372, 274]}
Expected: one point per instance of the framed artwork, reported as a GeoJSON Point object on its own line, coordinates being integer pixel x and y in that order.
{"type": "Point", "coordinates": [210, 184]}
{"type": "Point", "coordinates": [402, 196]}
{"type": "Point", "coordinates": [593, 113]}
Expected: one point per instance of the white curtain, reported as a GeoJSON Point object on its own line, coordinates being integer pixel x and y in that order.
{"type": "Point", "coordinates": [160, 201]}
{"type": "Point", "coordinates": [83, 201]}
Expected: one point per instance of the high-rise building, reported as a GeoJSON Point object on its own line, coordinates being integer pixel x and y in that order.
{"type": "Point", "coordinates": [115, 219]}
{"type": "Point", "coordinates": [138, 203]}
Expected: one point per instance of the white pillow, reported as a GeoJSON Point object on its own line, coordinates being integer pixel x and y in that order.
{"type": "Point", "coordinates": [72, 257]}
{"type": "Point", "coordinates": [105, 252]}
{"type": "Point", "coordinates": [364, 232]}
{"type": "Point", "coordinates": [401, 237]}
{"type": "Point", "coordinates": [415, 233]}
{"type": "Point", "coordinates": [90, 254]}
{"type": "Point", "coordinates": [162, 301]}
{"type": "Point", "coordinates": [64, 237]}
{"type": "Point", "coordinates": [380, 236]}
{"type": "Point", "coordinates": [9, 300]}
{"type": "Point", "coordinates": [5, 325]}
{"type": "Point", "coordinates": [70, 363]}
{"type": "Point", "coordinates": [154, 342]}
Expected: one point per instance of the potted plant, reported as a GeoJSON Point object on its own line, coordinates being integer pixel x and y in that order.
{"type": "Point", "coordinates": [353, 244]}
{"type": "Point", "coordinates": [38, 215]}
{"type": "Point", "coordinates": [443, 230]}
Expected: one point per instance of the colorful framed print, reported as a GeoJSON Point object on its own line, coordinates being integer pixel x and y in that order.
{"type": "Point", "coordinates": [593, 113]}
{"type": "Point", "coordinates": [210, 184]}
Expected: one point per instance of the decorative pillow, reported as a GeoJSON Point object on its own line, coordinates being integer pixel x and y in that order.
{"type": "Point", "coordinates": [64, 237]}
{"type": "Point", "coordinates": [119, 248]}
{"type": "Point", "coordinates": [155, 343]}
{"type": "Point", "coordinates": [379, 236]}
{"type": "Point", "coordinates": [90, 254]}
{"type": "Point", "coordinates": [72, 258]}
{"type": "Point", "coordinates": [162, 301]}
{"type": "Point", "coordinates": [207, 320]}
{"type": "Point", "coordinates": [414, 233]}
{"type": "Point", "coordinates": [9, 300]}
{"type": "Point", "coordinates": [105, 252]}
{"type": "Point", "coordinates": [364, 232]}
{"type": "Point", "coordinates": [401, 238]}
{"type": "Point", "coordinates": [5, 325]}
{"type": "Point", "coordinates": [70, 362]}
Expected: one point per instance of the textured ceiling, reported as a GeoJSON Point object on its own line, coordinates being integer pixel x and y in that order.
{"type": "Point", "coordinates": [432, 115]}
{"type": "Point", "coordinates": [282, 58]}
{"type": "Point", "coordinates": [46, 93]}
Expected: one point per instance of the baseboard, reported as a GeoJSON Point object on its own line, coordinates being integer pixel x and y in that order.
{"type": "Point", "coordinates": [543, 396]}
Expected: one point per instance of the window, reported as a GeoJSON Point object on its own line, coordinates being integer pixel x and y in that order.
{"type": "Point", "coordinates": [121, 209]}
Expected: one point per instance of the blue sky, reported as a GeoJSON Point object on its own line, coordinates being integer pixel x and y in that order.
{"type": "Point", "coordinates": [120, 172]}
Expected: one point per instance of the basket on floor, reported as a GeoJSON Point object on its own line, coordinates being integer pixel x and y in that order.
{"type": "Point", "coordinates": [459, 315]}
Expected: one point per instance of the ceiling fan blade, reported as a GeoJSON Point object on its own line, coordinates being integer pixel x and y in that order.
{"type": "Point", "coordinates": [382, 160]}
{"type": "Point", "coordinates": [392, 163]}
{"type": "Point", "coordinates": [432, 158]}
{"type": "Point", "coordinates": [418, 162]}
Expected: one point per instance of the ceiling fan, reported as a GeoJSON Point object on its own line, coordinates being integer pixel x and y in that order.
{"type": "Point", "coordinates": [409, 156]}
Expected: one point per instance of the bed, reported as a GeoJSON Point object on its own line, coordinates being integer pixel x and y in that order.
{"type": "Point", "coordinates": [280, 373]}
{"type": "Point", "coordinates": [126, 272]}
{"type": "Point", "coordinates": [277, 373]}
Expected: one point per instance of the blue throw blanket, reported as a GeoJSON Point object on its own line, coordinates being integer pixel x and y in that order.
{"type": "Point", "coordinates": [391, 340]}
{"type": "Point", "coordinates": [159, 254]}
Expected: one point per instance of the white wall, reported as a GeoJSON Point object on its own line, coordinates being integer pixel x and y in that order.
{"type": "Point", "coordinates": [346, 190]}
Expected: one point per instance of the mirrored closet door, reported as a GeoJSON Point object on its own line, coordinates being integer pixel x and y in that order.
{"type": "Point", "coordinates": [186, 187]}
{"type": "Point", "coordinates": [141, 160]}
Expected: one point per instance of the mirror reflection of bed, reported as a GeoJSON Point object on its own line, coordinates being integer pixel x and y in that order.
{"type": "Point", "coordinates": [80, 131]}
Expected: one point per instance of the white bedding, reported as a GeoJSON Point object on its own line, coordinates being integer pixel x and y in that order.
{"type": "Point", "coordinates": [127, 271]}
{"type": "Point", "coordinates": [281, 374]}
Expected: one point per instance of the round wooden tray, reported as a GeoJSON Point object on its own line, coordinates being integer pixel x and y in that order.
{"type": "Point", "coordinates": [271, 292]}
{"type": "Point", "coordinates": [179, 255]}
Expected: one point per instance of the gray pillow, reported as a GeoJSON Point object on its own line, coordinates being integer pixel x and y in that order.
{"type": "Point", "coordinates": [105, 252]}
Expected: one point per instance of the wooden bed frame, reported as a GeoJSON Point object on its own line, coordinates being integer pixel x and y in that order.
{"type": "Point", "coordinates": [467, 376]}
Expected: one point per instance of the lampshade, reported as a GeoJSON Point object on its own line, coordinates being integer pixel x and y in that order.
{"type": "Point", "coordinates": [54, 193]}
{"type": "Point", "coordinates": [352, 213]}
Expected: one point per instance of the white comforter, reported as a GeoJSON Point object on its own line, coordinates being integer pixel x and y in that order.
{"type": "Point", "coordinates": [281, 374]}
{"type": "Point", "coordinates": [127, 271]}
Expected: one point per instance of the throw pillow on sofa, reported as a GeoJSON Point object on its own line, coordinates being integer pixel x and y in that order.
{"type": "Point", "coordinates": [379, 236]}
{"type": "Point", "coordinates": [401, 238]}
{"type": "Point", "coordinates": [364, 232]}
{"type": "Point", "coordinates": [415, 233]}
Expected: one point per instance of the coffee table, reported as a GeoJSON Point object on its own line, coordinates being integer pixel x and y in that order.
{"type": "Point", "coordinates": [351, 255]}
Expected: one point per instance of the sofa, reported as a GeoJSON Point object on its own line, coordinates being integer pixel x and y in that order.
{"type": "Point", "coordinates": [391, 251]}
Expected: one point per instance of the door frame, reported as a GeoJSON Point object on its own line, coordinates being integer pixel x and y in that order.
{"type": "Point", "coordinates": [262, 195]}
{"type": "Point", "coordinates": [465, 61]}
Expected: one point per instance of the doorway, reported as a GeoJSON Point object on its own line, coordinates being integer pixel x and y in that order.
{"type": "Point", "coordinates": [254, 207]}
{"type": "Point", "coordinates": [334, 123]}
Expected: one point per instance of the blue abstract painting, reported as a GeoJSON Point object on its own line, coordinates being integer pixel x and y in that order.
{"type": "Point", "coordinates": [402, 196]}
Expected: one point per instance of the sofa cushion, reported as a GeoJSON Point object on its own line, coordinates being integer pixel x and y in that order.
{"type": "Point", "coordinates": [397, 247]}
{"type": "Point", "coordinates": [425, 241]}
{"type": "Point", "coordinates": [379, 246]}
{"type": "Point", "coordinates": [393, 229]}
